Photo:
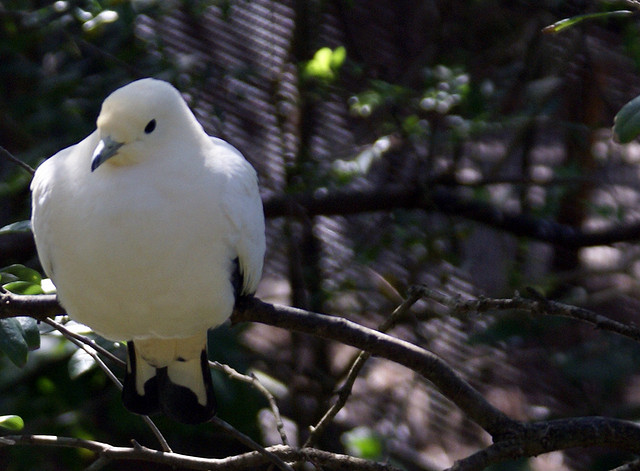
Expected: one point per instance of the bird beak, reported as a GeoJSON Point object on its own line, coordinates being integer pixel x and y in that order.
{"type": "Point", "coordinates": [105, 149]}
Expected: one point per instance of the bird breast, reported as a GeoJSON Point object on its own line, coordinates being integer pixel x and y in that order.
{"type": "Point", "coordinates": [153, 259]}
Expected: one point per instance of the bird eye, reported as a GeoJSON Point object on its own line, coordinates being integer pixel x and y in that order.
{"type": "Point", "coordinates": [151, 125]}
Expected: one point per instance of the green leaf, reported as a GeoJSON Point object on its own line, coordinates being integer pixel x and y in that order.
{"type": "Point", "coordinates": [23, 273]}
{"type": "Point", "coordinates": [12, 341]}
{"type": "Point", "coordinates": [569, 22]}
{"type": "Point", "coordinates": [626, 124]}
{"type": "Point", "coordinates": [20, 226]}
{"type": "Point", "coordinates": [320, 65]}
{"type": "Point", "coordinates": [23, 287]}
{"type": "Point", "coordinates": [325, 63]}
{"type": "Point", "coordinates": [7, 278]}
{"type": "Point", "coordinates": [11, 422]}
{"type": "Point", "coordinates": [337, 57]}
{"type": "Point", "coordinates": [363, 443]}
{"type": "Point", "coordinates": [79, 363]}
{"type": "Point", "coordinates": [30, 331]}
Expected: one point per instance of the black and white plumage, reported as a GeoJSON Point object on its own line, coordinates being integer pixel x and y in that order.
{"type": "Point", "coordinates": [145, 226]}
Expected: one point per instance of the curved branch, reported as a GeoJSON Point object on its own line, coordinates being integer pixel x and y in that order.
{"type": "Point", "coordinates": [553, 435]}
{"type": "Point", "coordinates": [445, 379]}
{"type": "Point", "coordinates": [512, 439]}
{"type": "Point", "coordinates": [250, 309]}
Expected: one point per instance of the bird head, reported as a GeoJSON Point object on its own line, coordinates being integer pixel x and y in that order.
{"type": "Point", "coordinates": [140, 119]}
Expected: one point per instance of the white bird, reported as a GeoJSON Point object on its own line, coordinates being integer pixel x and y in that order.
{"type": "Point", "coordinates": [149, 229]}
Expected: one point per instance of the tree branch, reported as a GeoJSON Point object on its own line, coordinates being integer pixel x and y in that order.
{"type": "Point", "coordinates": [250, 309]}
{"type": "Point", "coordinates": [250, 460]}
{"type": "Point", "coordinates": [9, 156]}
{"type": "Point", "coordinates": [250, 443]}
{"type": "Point", "coordinates": [445, 379]}
{"type": "Point", "coordinates": [536, 304]}
{"type": "Point", "coordinates": [399, 196]}
{"type": "Point", "coordinates": [356, 366]}
{"type": "Point", "coordinates": [393, 196]}
{"type": "Point", "coordinates": [40, 306]}
{"type": "Point", "coordinates": [553, 435]}
{"type": "Point", "coordinates": [92, 349]}
{"type": "Point", "coordinates": [255, 382]}
{"type": "Point", "coordinates": [447, 201]}
{"type": "Point", "coordinates": [85, 340]}
{"type": "Point", "coordinates": [512, 439]}
{"type": "Point", "coordinates": [630, 466]}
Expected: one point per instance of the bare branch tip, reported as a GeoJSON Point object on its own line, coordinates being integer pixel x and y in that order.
{"type": "Point", "coordinates": [9, 156]}
{"type": "Point", "coordinates": [136, 445]}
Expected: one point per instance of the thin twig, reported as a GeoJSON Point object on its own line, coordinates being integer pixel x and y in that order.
{"type": "Point", "coordinates": [535, 304]}
{"type": "Point", "coordinates": [255, 382]}
{"type": "Point", "coordinates": [158, 434]}
{"type": "Point", "coordinates": [85, 345]}
{"type": "Point", "coordinates": [86, 340]}
{"type": "Point", "coordinates": [88, 346]}
{"type": "Point", "coordinates": [9, 156]}
{"type": "Point", "coordinates": [357, 365]}
{"type": "Point", "coordinates": [246, 440]}
{"type": "Point", "coordinates": [250, 460]}
{"type": "Point", "coordinates": [98, 464]}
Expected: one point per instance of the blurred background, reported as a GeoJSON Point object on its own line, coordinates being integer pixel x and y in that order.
{"type": "Point", "coordinates": [450, 143]}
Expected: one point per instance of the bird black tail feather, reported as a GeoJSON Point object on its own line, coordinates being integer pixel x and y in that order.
{"type": "Point", "coordinates": [180, 402]}
{"type": "Point", "coordinates": [146, 403]}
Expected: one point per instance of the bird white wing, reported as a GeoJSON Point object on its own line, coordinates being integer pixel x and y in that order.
{"type": "Point", "coordinates": [242, 206]}
{"type": "Point", "coordinates": [49, 181]}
